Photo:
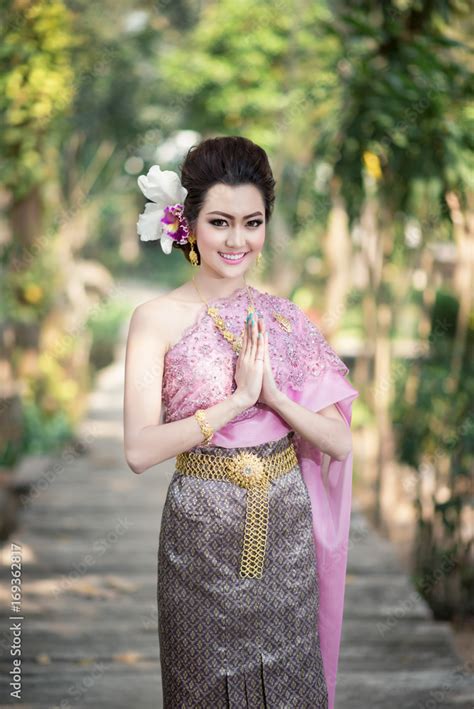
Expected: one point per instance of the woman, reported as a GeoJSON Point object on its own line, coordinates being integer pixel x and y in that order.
{"type": "Point", "coordinates": [253, 539]}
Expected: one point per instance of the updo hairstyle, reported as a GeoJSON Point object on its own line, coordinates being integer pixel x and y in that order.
{"type": "Point", "coordinates": [228, 160]}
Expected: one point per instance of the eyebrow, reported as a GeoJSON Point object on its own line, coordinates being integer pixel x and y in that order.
{"type": "Point", "coordinates": [254, 214]}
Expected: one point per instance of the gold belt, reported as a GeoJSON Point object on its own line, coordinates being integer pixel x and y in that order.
{"type": "Point", "coordinates": [254, 473]}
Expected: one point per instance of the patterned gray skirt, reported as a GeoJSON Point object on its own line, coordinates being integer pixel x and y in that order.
{"type": "Point", "coordinates": [226, 641]}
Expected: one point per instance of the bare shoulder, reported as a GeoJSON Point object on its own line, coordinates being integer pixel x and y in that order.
{"type": "Point", "coordinates": [153, 320]}
{"type": "Point", "coordinates": [163, 315]}
{"type": "Point", "coordinates": [281, 303]}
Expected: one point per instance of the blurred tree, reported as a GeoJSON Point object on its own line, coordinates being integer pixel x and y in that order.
{"type": "Point", "coordinates": [36, 78]}
{"type": "Point", "coordinates": [46, 291]}
{"type": "Point", "coordinates": [402, 150]}
{"type": "Point", "coordinates": [78, 102]}
{"type": "Point", "coordinates": [36, 87]}
{"type": "Point", "coordinates": [436, 437]}
{"type": "Point", "coordinates": [267, 71]}
{"type": "Point", "coordinates": [116, 122]}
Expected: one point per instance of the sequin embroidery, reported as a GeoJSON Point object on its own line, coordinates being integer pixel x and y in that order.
{"type": "Point", "coordinates": [199, 368]}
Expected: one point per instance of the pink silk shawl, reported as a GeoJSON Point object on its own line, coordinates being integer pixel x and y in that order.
{"type": "Point", "coordinates": [198, 373]}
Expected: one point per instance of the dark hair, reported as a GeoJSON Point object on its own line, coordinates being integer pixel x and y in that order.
{"type": "Point", "coordinates": [229, 160]}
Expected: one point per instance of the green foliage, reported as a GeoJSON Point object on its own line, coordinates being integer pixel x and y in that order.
{"type": "Point", "coordinates": [104, 326]}
{"type": "Point", "coordinates": [43, 432]}
{"type": "Point", "coordinates": [45, 427]}
{"type": "Point", "coordinates": [437, 423]}
{"type": "Point", "coordinates": [255, 72]}
{"type": "Point", "coordinates": [28, 293]}
{"type": "Point", "coordinates": [408, 102]}
{"type": "Point", "coordinates": [36, 86]}
{"type": "Point", "coordinates": [435, 435]}
{"type": "Point", "coordinates": [444, 320]}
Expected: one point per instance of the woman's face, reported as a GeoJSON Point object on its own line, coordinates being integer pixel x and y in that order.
{"type": "Point", "coordinates": [231, 222]}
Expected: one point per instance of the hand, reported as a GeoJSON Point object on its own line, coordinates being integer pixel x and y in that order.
{"type": "Point", "coordinates": [249, 367]}
{"type": "Point", "coordinates": [269, 391]}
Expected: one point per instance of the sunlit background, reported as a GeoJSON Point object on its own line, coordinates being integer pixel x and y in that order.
{"type": "Point", "coordinates": [366, 112]}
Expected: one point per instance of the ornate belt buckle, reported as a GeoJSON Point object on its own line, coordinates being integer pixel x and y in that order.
{"type": "Point", "coordinates": [246, 470]}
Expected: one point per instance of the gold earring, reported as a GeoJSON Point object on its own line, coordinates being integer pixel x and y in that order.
{"type": "Point", "coordinates": [193, 257]}
{"type": "Point", "coordinates": [259, 256]}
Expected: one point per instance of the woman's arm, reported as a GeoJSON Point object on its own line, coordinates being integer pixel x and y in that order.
{"type": "Point", "coordinates": [325, 429]}
{"type": "Point", "coordinates": [148, 442]}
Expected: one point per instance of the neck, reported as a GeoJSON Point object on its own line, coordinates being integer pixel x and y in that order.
{"type": "Point", "coordinates": [218, 287]}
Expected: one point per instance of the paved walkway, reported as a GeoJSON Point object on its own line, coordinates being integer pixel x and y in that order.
{"type": "Point", "coordinates": [89, 537]}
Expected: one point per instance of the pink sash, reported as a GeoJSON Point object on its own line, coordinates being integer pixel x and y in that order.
{"type": "Point", "coordinates": [330, 499]}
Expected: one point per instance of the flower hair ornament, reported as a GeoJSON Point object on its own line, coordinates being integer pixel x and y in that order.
{"type": "Point", "coordinates": [163, 217]}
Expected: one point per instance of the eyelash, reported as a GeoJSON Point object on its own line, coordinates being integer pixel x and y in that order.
{"type": "Point", "coordinates": [258, 222]}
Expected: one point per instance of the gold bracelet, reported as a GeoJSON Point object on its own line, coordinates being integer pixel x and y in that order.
{"type": "Point", "coordinates": [206, 429]}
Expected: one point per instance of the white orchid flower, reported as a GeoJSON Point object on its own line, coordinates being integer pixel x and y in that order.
{"type": "Point", "coordinates": [164, 188]}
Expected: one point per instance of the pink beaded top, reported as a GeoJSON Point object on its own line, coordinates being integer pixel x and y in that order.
{"type": "Point", "coordinates": [199, 372]}
{"type": "Point", "coordinates": [199, 368]}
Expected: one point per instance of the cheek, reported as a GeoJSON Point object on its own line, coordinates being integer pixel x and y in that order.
{"type": "Point", "coordinates": [260, 239]}
{"type": "Point", "coordinates": [256, 240]}
{"type": "Point", "coordinates": [208, 240]}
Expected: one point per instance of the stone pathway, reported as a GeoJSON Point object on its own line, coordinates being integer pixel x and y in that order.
{"type": "Point", "coordinates": [89, 537]}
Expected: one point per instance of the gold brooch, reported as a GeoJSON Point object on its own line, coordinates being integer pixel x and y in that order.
{"type": "Point", "coordinates": [284, 323]}
{"type": "Point", "coordinates": [246, 470]}
{"type": "Point", "coordinates": [219, 322]}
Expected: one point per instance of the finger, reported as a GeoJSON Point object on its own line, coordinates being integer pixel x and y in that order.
{"type": "Point", "coordinates": [254, 330]}
{"type": "Point", "coordinates": [260, 346]}
{"type": "Point", "coordinates": [250, 327]}
{"type": "Point", "coordinates": [252, 333]}
{"type": "Point", "coordinates": [255, 337]}
{"type": "Point", "coordinates": [249, 340]}
{"type": "Point", "coordinates": [245, 341]}
{"type": "Point", "coordinates": [265, 345]}
{"type": "Point", "coordinates": [260, 356]}
{"type": "Point", "coordinates": [261, 328]}
{"type": "Point", "coordinates": [259, 350]}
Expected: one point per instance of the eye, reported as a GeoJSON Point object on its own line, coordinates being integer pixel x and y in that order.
{"type": "Point", "coordinates": [254, 223]}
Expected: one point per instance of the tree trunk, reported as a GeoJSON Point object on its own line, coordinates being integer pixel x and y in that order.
{"type": "Point", "coordinates": [337, 251]}
{"type": "Point", "coordinates": [463, 232]}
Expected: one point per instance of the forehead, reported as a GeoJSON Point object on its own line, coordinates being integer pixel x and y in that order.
{"type": "Point", "coordinates": [238, 199]}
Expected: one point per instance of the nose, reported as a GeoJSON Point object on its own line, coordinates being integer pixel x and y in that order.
{"type": "Point", "coordinates": [236, 239]}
